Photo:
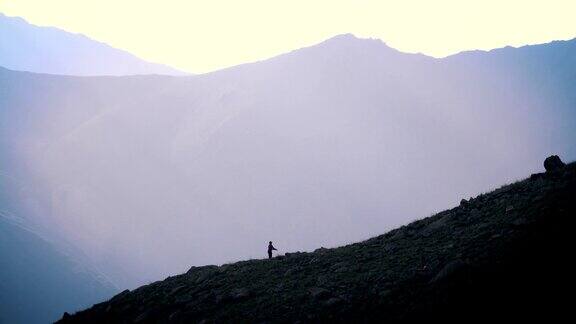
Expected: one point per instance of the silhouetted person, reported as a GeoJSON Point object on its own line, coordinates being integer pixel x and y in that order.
{"type": "Point", "coordinates": [270, 249]}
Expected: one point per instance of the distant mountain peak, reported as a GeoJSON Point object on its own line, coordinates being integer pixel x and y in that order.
{"type": "Point", "coordinates": [27, 47]}
{"type": "Point", "coordinates": [349, 38]}
{"type": "Point", "coordinates": [346, 36]}
{"type": "Point", "coordinates": [348, 43]}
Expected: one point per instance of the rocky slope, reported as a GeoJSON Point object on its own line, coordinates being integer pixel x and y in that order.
{"type": "Point", "coordinates": [501, 255]}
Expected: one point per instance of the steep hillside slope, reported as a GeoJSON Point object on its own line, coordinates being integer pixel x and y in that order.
{"type": "Point", "coordinates": [38, 281]}
{"type": "Point", "coordinates": [26, 47]}
{"type": "Point", "coordinates": [501, 255]}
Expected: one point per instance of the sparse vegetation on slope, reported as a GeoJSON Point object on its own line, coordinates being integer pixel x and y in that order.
{"type": "Point", "coordinates": [502, 255]}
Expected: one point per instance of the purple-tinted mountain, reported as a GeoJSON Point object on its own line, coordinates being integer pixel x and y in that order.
{"type": "Point", "coordinates": [40, 280]}
{"type": "Point", "coordinates": [26, 47]}
{"type": "Point", "coordinates": [322, 146]}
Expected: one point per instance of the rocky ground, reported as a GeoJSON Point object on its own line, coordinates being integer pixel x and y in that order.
{"type": "Point", "coordinates": [500, 256]}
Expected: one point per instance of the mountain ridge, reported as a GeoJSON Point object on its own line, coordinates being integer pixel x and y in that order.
{"type": "Point", "coordinates": [351, 40]}
{"type": "Point", "coordinates": [342, 40]}
{"type": "Point", "coordinates": [28, 47]}
{"type": "Point", "coordinates": [510, 47]}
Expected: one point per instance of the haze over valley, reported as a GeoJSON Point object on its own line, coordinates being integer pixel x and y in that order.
{"type": "Point", "coordinates": [147, 175]}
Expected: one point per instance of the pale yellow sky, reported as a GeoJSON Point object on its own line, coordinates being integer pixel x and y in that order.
{"type": "Point", "coordinates": [202, 36]}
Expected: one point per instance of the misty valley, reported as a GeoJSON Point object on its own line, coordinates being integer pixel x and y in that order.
{"type": "Point", "coordinates": [109, 183]}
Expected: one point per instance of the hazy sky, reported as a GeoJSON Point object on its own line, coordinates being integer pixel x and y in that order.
{"type": "Point", "coordinates": [201, 36]}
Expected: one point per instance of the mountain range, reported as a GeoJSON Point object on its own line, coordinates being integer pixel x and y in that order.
{"type": "Point", "coordinates": [323, 146]}
{"type": "Point", "coordinates": [26, 47]}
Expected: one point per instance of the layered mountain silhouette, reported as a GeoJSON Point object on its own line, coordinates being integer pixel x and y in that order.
{"type": "Point", "coordinates": [39, 281]}
{"type": "Point", "coordinates": [496, 256]}
{"type": "Point", "coordinates": [322, 146]}
{"type": "Point", "coordinates": [27, 47]}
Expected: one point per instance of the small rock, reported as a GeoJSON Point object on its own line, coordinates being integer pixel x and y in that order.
{"type": "Point", "coordinates": [176, 290]}
{"type": "Point", "coordinates": [239, 293]}
{"type": "Point", "coordinates": [390, 247]}
{"type": "Point", "coordinates": [475, 213]}
{"type": "Point", "coordinates": [223, 268]}
{"type": "Point", "coordinates": [384, 293]}
{"type": "Point", "coordinates": [204, 276]}
{"type": "Point", "coordinates": [279, 287]}
{"type": "Point", "coordinates": [174, 316]}
{"type": "Point", "coordinates": [439, 223]}
{"type": "Point", "coordinates": [291, 255]}
{"type": "Point", "coordinates": [220, 298]}
{"type": "Point", "coordinates": [553, 163]}
{"type": "Point", "coordinates": [398, 235]}
{"type": "Point", "coordinates": [519, 222]}
{"type": "Point", "coordinates": [342, 269]}
{"type": "Point", "coordinates": [313, 261]}
{"type": "Point", "coordinates": [120, 295]}
{"type": "Point", "coordinates": [338, 265]}
{"type": "Point", "coordinates": [289, 272]}
{"type": "Point", "coordinates": [144, 317]}
{"type": "Point", "coordinates": [319, 293]}
{"type": "Point", "coordinates": [449, 270]}
{"type": "Point", "coordinates": [322, 279]}
{"type": "Point", "coordinates": [332, 301]}
{"type": "Point", "coordinates": [535, 176]}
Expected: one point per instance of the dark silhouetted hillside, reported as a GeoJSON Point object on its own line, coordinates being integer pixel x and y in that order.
{"type": "Point", "coordinates": [500, 256]}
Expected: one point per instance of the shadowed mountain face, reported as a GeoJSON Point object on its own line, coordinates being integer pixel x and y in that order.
{"type": "Point", "coordinates": [39, 281]}
{"type": "Point", "coordinates": [322, 146]}
{"type": "Point", "coordinates": [27, 47]}
{"type": "Point", "coordinates": [497, 256]}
